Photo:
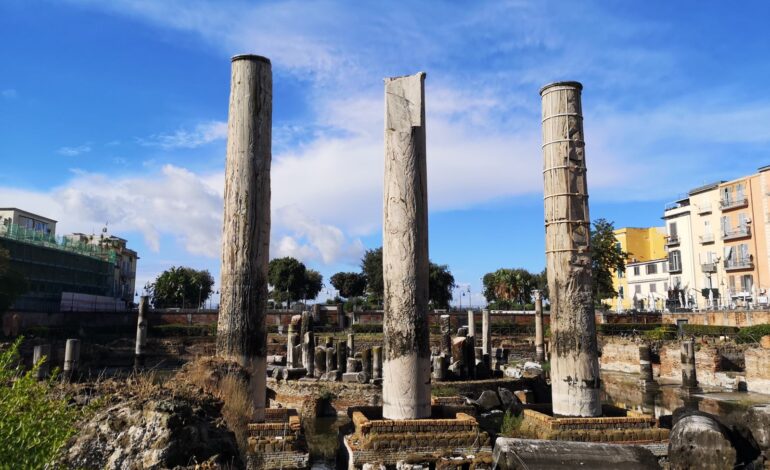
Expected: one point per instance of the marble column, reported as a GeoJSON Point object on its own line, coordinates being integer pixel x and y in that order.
{"type": "Point", "coordinates": [539, 343]}
{"type": "Point", "coordinates": [141, 332]}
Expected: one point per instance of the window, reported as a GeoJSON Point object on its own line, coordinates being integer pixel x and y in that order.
{"type": "Point", "coordinates": [653, 287]}
{"type": "Point", "coordinates": [739, 192]}
{"type": "Point", "coordinates": [674, 261]}
{"type": "Point", "coordinates": [636, 271]}
{"type": "Point", "coordinates": [747, 282]}
{"type": "Point", "coordinates": [663, 267]}
{"type": "Point", "coordinates": [726, 196]}
{"type": "Point", "coordinates": [725, 225]}
{"type": "Point", "coordinates": [638, 289]}
{"type": "Point", "coordinates": [672, 231]}
{"type": "Point", "coordinates": [652, 268]}
{"type": "Point", "coordinates": [742, 221]}
{"type": "Point", "coordinates": [621, 274]}
{"type": "Point", "coordinates": [620, 292]}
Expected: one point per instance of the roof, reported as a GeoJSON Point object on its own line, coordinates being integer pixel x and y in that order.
{"type": "Point", "coordinates": [705, 187]}
{"type": "Point", "coordinates": [16, 209]}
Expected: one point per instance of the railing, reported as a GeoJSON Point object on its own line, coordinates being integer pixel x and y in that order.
{"type": "Point", "coordinates": [704, 208]}
{"type": "Point", "coordinates": [672, 240]}
{"type": "Point", "coordinates": [726, 204]}
{"type": "Point", "coordinates": [707, 238]}
{"type": "Point", "coordinates": [739, 232]}
{"type": "Point", "coordinates": [739, 263]}
{"type": "Point", "coordinates": [22, 234]}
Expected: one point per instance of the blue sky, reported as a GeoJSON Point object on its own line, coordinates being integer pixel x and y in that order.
{"type": "Point", "coordinates": [115, 112]}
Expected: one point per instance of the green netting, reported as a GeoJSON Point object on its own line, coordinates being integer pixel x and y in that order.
{"type": "Point", "coordinates": [23, 234]}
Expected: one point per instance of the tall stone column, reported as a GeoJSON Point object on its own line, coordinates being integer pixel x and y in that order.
{"type": "Point", "coordinates": [539, 343]}
{"type": "Point", "coordinates": [71, 359]}
{"type": "Point", "coordinates": [42, 353]}
{"type": "Point", "coordinates": [351, 345]}
{"type": "Point", "coordinates": [446, 334]}
{"type": "Point", "coordinates": [574, 354]}
{"type": "Point", "coordinates": [141, 332]}
{"type": "Point", "coordinates": [241, 330]}
{"type": "Point", "coordinates": [471, 323]}
{"type": "Point", "coordinates": [486, 333]}
{"type": "Point", "coordinates": [689, 376]}
{"type": "Point", "coordinates": [406, 369]}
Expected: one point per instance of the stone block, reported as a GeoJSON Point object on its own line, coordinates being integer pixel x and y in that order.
{"type": "Point", "coordinates": [765, 341]}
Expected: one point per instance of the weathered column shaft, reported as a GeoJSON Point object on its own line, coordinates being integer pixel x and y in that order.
{"type": "Point", "coordinates": [71, 359]}
{"type": "Point", "coordinates": [141, 331]}
{"type": "Point", "coordinates": [377, 362]}
{"type": "Point", "coordinates": [471, 323]}
{"type": "Point", "coordinates": [446, 334]}
{"type": "Point", "coordinates": [320, 361]}
{"type": "Point", "coordinates": [241, 329]}
{"type": "Point", "coordinates": [308, 352]}
{"type": "Point", "coordinates": [539, 345]}
{"type": "Point", "coordinates": [486, 332]}
{"type": "Point", "coordinates": [366, 362]}
{"type": "Point", "coordinates": [689, 376]}
{"type": "Point", "coordinates": [351, 345]}
{"type": "Point", "coordinates": [331, 359]}
{"type": "Point", "coordinates": [342, 357]}
{"type": "Point", "coordinates": [406, 386]}
{"type": "Point", "coordinates": [42, 352]}
{"type": "Point", "coordinates": [574, 354]}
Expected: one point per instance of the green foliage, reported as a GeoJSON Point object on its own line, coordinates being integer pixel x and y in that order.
{"type": "Point", "coordinates": [661, 333]}
{"type": "Point", "coordinates": [12, 283]}
{"type": "Point", "coordinates": [181, 287]}
{"type": "Point", "coordinates": [35, 424]}
{"type": "Point", "coordinates": [509, 285]}
{"type": "Point", "coordinates": [709, 330]}
{"type": "Point", "coordinates": [371, 267]}
{"type": "Point", "coordinates": [349, 284]}
{"type": "Point", "coordinates": [612, 329]}
{"type": "Point", "coordinates": [291, 280]}
{"type": "Point", "coordinates": [367, 328]}
{"type": "Point", "coordinates": [606, 258]}
{"type": "Point", "coordinates": [511, 424]}
{"type": "Point", "coordinates": [752, 334]}
{"type": "Point", "coordinates": [181, 330]}
{"type": "Point", "coordinates": [440, 285]}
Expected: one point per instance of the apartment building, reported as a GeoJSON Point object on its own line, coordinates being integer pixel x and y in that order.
{"type": "Point", "coordinates": [648, 283]}
{"type": "Point", "coordinates": [642, 244]}
{"type": "Point", "coordinates": [718, 241]}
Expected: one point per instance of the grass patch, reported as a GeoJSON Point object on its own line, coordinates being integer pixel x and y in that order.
{"type": "Point", "coordinates": [511, 424]}
{"type": "Point", "coordinates": [35, 417]}
{"type": "Point", "coordinates": [444, 391]}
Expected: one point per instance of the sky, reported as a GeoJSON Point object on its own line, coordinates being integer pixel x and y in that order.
{"type": "Point", "coordinates": [115, 113]}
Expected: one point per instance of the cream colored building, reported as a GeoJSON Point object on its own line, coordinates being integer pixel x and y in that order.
{"type": "Point", "coordinates": [682, 270]}
{"type": "Point", "coordinates": [641, 244]}
{"type": "Point", "coordinates": [648, 284]}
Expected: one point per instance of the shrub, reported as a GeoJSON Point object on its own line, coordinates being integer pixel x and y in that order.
{"type": "Point", "coordinates": [612, 329]}
{"type": "Point", "coordinates": [511, 424]}
{"type": "Point", "coordinates": [661, 333]}
{"type": "Point", "coordinates": [367, 328]}
{"type": "Point", "coordinates": [709, 330]}
{"type": "Point", "coordinates": [752, 334]}
{"type": "Point", "coordinates": [177, 330]}
{"type": "Point", "coordinates": [35, 423]}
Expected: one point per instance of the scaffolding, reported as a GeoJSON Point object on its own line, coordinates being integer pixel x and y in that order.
{"type": "Point", "coordinates": [25, 235]}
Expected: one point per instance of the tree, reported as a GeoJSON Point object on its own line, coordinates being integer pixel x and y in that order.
{"type": "Point", "coordinates": [12, 283]}
{"type": "Point", "coordinates": [440, 285]}
{"type": "Point", "coordinates": [291, 280]}
{"type": "Point", "coordinates": [349, 284]}
{"type": "Point", "coordinates": [606, 258]}
{"type": "Point", "coordinates": [371, 267]}
{"type": "Point", "coordinates": [314, 282]}
{"type": "Point", "coordinates": [540, 282]}
{"type": "Point", "coordinates": [181, 287]}
{"type": "Point", "coordinates": [509, 285]}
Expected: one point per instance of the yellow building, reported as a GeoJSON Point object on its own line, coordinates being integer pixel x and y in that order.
{"type": "Point", "coordinates": [641, 244]}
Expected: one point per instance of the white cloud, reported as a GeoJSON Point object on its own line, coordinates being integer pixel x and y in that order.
{"type": "Point", "coordinates": [204, 133]}
{"type": "Point", "coordinates": [73, 151]}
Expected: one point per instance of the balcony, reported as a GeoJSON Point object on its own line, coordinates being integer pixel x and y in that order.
{"type": "Point", "coordinates": [704, 209]}
{"type": "Point", "coordinates": [739, 263]}
{"type": "Point", "coordinates": [708, 267]}
{"type": "Point", "coordinates": [706, 238]}
{"type": "Point", "coordinates": [672, 240]}
{"type": "Point", "coordinates": [734, 234]}
{"type": "Point", "coordinates": [728, 204]}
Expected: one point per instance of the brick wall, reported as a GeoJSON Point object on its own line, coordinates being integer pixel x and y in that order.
{"type": "Point", "coordinates": [620, 356]}
{"type": "Point", "coordinates": [758, 370]}
{"type": "Point", "coordinates": [739, 318]}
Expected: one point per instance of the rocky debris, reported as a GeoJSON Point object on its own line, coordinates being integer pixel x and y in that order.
{"type": "Point", "coordinates": [699, 440]}
{"type": "Point", "coordinates": [526, 370]}
{"type": "Point", "coordinates": [764, 342]}
{"type": "Point", "coordinates": [488, 400]}
{"type": "Point", "coordinates": [166, 429]}
{"type": "Point", "coordinates": [758, 422]}
{"type": "Point", "coordinates": [506, 397]}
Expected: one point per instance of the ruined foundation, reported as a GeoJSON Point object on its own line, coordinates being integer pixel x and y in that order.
{"type": "Point", "coordinates": [278, 442]}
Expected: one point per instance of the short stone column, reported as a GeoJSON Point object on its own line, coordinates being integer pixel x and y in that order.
{"type": "Point", "coordinates": [241, 326]}
{"type": "Point", "coordinates": [486, 332]}
{"type": "Point", "coordinates": [406, 368]}
{"type": "Point", "coordinates": [331, 359]}
{"type": "Point", "coordinates": [342, 357]}
{"type": "Point", "coordinates": [689, 376]}
{"type": "Point", "coordinates": [291, 340]}
{"type": "Point", "coordinates": [471, 323]}
{"type": "Point", "coordinates": [141, 332]}
{"type": "Point", "coordinates": [539, 336]}
{"type": "Point", "coordinates": [440, 367]}
{"type": "Point", "coordinates": [645, 367]}
{"type": "Point", "coordinates": [446, 334]}
{"type": "Point", "coordinates": [377, 362]}
{"type": "Point", "coordinates": [366, 362]}
{"type": "Point", "coordinates": [351, 345]}
{"type": "Point", "coordinates": [71, 359]}
{"type": "Point", "coordinates": [306, 323]}
{"type": "Point", "coordinates": [308, 353]}
{"type": "Point", "coordinates": [320, 361]}
{"type": "Point", "coordinates": [42, 352]}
